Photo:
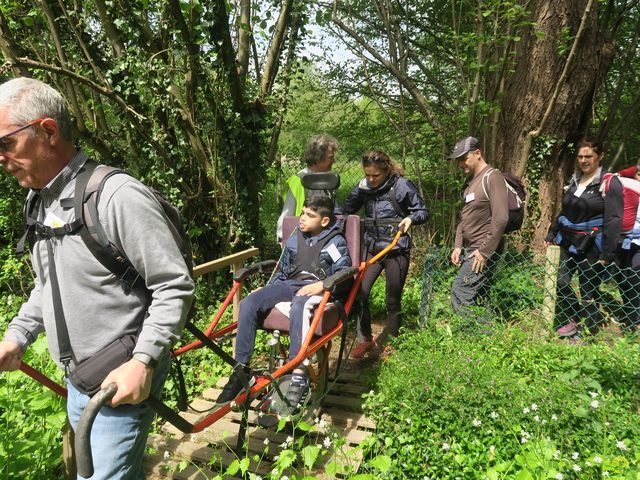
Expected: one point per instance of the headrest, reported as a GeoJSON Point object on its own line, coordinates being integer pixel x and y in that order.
{"type": "Point", "coordinates": [320, 181]}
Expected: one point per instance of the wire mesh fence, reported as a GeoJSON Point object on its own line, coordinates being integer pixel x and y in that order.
{"type": "Point", "coordinates": [570, 296]}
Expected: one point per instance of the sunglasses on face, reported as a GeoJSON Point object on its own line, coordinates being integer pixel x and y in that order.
{"type": "Point", "coordinates": [6, 141]}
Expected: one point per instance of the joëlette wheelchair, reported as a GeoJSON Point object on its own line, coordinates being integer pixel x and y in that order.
{"type": "Point", "coordinates": [328, 323]}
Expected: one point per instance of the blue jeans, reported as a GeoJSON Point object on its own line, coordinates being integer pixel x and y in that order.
{"type": "Point", "coordinates": [256, 307]}
{"type": "Point", "coordinates": [119, 435]}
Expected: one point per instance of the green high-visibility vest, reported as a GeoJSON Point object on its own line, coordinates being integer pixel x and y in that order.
{"type": "Point", "coordinates": [295, 184]}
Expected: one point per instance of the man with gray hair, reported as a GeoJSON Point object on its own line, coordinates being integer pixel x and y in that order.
{"type": "Point", "coordinates": [74, 290]}
{"type": "Point", "coordinates": [319, 157]}
{"type": "Point", "coordinates": [479, 235]}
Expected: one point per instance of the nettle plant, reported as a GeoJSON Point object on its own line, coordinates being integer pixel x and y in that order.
{"type": "Point", "coordinates": [508, 407]}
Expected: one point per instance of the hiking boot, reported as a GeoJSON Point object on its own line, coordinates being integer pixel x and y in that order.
{"type": "Point", "coordinates": [362, 348]}
{"type": "Point", "coordinates": [234, 386]}
{"type": "Point", "coordinates": [568, 330]}
{"type": "Point", "coordinates": [298, 387]}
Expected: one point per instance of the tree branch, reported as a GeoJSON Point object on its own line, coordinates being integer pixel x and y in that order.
{"type": "Point", "coordinates": [419, 98]}
{"type": "Point", "coordinates": [275, 48]}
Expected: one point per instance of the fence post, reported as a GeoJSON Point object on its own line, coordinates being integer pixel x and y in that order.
{"type": "Point", "coordinates": [550, 280]}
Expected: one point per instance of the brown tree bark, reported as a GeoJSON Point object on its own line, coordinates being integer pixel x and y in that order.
{"type": "Point", "coordinates": [541, 68]}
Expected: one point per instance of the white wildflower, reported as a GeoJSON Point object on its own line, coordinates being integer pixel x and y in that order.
{"type": "Point", "coordinates": [266, 441]}
{"type": "Point", "coordinates": [554, 417]}
{"type": "Point", "coordinates": [493, 415]}
{"type": "Point", "coordinates": [595, 404]}
{"type": "Point", "coordinates": [476, 422]}
{"type": "Point", "coordinates": [322, 424]}
{"type": "Point", "coordinates": [166, 455]}
{"type": "Point", "coordinates": [559, 476]}
{"type": "Point", "coordinates": [556, 455]}
{"type": "Point", "coordinates": [284, 477]}
{"type": "Point", "coordinates": [605, 474]}
{"type": "Point", "coordinates": [326, 442]}
{"type": "Point", "coordinates": [534, 406]}
{"type": "Point", "coordinates": [620, 444]}
{"type": "Point", "coordinates": [593, 394]}
{"type": "Point", "coordinates": [408, 420]}
{"type": "Point", "coordinates": [525, 410]}
{"type": "Point", "coordinates": [544, 421]}
{"type": "Point", "coordinates": [524, 440]}
{"type": "Point", "coordinates": [575, 455]}
{"type": "Point", "coordinates": [536, 418]}
{"type": "Point", "coordinates": [576, 468]}
{"type": "Point", "coordinates": [446, 446]}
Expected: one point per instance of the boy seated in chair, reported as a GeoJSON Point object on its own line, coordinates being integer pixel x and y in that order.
{"type": "Point", "coordinates": [315, 252]}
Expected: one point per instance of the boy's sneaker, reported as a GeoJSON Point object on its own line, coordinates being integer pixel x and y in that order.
{"type": "Point", "coordinates": [568, 330]}
{"type": "Point", "coordinates": [234, 386]}
{"type": "Point", "coordinates": [361, 349]}
{"type": "Point", "coordinates": [298, 387]}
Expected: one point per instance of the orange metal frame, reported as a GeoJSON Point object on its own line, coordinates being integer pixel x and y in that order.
{"type": "Point", "coordinates": [309, 345]}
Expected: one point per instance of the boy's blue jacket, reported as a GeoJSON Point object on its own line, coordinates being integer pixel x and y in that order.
{"type": "Point", "coordinates": [327, 263]}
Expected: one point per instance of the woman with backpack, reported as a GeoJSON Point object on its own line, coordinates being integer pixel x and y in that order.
{"type": "Point", "coordinates": [627, 272]}
{"type": "Point", "coordinates": [390, 202]}
{"type": "Point", "coordinates": [587, 231]}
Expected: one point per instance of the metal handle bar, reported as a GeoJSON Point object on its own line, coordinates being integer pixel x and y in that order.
{"type": "Point", "coordinates": [243, 273]}
{"type": "Point", "coordinates": [84, 459]}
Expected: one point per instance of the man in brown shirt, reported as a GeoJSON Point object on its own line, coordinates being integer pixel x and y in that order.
{"type": "Point", "coordinates": [479, 236]}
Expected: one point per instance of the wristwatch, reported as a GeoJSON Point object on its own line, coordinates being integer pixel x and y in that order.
{"type": "Point", "coordinates": [148, 360]}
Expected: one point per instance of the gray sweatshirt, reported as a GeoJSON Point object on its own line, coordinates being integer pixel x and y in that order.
{"type": "Point", "coordinates": [96, 309]}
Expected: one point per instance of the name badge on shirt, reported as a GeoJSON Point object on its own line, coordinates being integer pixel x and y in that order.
{"type": "Point", "coordinates": [333, 252]}
{"type": "Point", "coordinates": [579, 191]}
{"type": "Point", "coordinates": [52, 220]}
{"type": "Point", "coordinates": [470, 198]}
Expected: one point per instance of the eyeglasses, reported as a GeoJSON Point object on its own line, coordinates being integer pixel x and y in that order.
{"type": "Point", "coordinates": [5, 142]}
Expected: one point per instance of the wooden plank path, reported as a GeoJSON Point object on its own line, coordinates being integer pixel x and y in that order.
{"type": "Point", "coordinates": [209, 453]}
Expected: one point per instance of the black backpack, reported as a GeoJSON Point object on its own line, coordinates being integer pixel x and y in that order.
{"type": "Point", "coordinates": [516, 195]}
{"type": "Point", "coordinates": [89, 184]}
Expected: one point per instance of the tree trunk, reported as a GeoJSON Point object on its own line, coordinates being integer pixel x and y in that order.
{"type": "Point", "coordinates": [528, 92]}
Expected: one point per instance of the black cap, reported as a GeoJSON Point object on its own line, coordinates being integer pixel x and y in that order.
{"type": "Point", "coordinates": [467, 144]}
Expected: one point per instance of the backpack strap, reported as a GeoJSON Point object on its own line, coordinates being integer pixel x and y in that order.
{"type": "Point", "coordinates": [394, 201]}
{"type": "Point", "coordinates": [605, 182]}
{"type": "Point", "coordinates": [89, 184]}
{"type": "Point", "coordinates": [485, 178]}
{"type": "Point", "coordinates": [29, 213]}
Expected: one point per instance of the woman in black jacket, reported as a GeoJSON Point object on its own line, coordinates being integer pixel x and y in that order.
{"type": "Point", "coordinates": [390, 201]}
{"type": "Point", "coordinates": [587, 231]}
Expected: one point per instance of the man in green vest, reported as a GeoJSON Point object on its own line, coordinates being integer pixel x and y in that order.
{"type": "Point", "coordinates": [319, 157]}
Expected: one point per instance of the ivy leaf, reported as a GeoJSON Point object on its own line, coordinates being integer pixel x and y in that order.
{"type": "Point", "coordinates": [382, 463]}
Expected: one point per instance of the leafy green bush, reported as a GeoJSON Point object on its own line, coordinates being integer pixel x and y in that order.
{"type": "Point", "coordinates": [508, 406]}
{"type": "Point", "coordinates": [32, 418]}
